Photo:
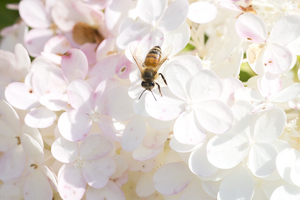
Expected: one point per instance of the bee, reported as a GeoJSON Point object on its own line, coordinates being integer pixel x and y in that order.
{"type": "Point", "coordinates": [149, 68]}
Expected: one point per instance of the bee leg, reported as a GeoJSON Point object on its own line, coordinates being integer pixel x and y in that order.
{"type": "Point", "coordinates": [163, 78]}
{"type": "Point", "coordinates": [158, 88]}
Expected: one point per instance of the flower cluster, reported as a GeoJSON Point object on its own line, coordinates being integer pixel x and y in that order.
{"type": "Point", "coordinates": [75, 122]}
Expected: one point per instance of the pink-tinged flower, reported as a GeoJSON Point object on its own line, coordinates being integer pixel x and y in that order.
{"type": "Point", "coordinates": [276, 57]}
{"type": "Point", "coordinates": [269, 93]}
{"type": "Point", "coordinates": [160, 21]}
{"type": "Point", "coordinates": [44, 90]}
{"type": "Point", "coordinates": [137, 135]}
{"type": "Point", "coordinates": [89, 107]}
{"type": "Point", "coordinates": [12, 162]}
{"type": "Point", "coordinates": [251, 137]}
{"type": "Point", "coordinates": [91, 164]}
{"type": "Point", "coordinates": [14, 67]}
{"type": "Point", "coordinates": [12, 35]}
{"type": "Point", "coordinates": [193, 100]}
{"type": "Point", "coordinates": [110, 191]}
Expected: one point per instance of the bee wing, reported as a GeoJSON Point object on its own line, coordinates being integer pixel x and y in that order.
{"type": "Point", "coordinates": [136, 53]}
{"type": "Point", "coordinates": [165, 55]}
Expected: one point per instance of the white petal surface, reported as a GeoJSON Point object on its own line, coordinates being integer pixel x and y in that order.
{"type": "Point", "coordinates": [145, 185]}
{"type": "Point", "coordinates": [133, 134]}
{"type": "Point", "coordinates": [74, 65]}
{"type": "Point", "coordinates": [205, 86]}
{"type": "Point", "coordinates": [36, 39]}
{"type": "Point", "coordinates": [10, 116]}
{"type": "Point", "coordinates": [172, 178]}
{"type": "Point", "coordinates": [177, 77]}
{"type": "Point", "coordinates": [285, 30]}
{"type": "Point", "coordinates": [262, 158]}
{"type": "Point", "coordinates": [270, 125]}
{"type": "Point", "coordinates": [237, 185]}
{"type": "Point", "coordinates": [286, 192]}
{"type": "Point", "coordinates": [269, 85]}
{"type": "Point", "coordinates": [251, 28]}
{"type": "Point", "coordinates": [174, 15]}
{"type": "Point", "coordinates": [214, 116]}
{"type": "Point", "coordinates": [277, 59]}
{"type": "Point", "coordinates": [121, 166]}
{"type": "Point", "coordinates": [40, 117]}
{"type": "Point", "coordinates": [134, 32]}
{"type": "Point", "coordinates": [182, 148]}
{"type": "Point", "coordinates": [21, 96]}
{"type": "Point", "coordinates": [248, 94]}
{"type": "Point", "coordinates": [74, 125]}
{"type": "Point", "coordinates": [187, 129]}
{"type": "Point", "coordinates": [32, 148]}
{"type": "Point", "coordinates": [199, 164]}
{"type": "Point", "coordinates": [107, 126]}
{"type": "Point", "coordinates": [142, 152]}
{"type": "Point", "coordinates": [166, 108]}
{"type": "Point", "coordinates": [64, 150]}
{"type": "Point", "coordinates": [202, 12]}
{"type": "Point", "coordinates": [227, 150]}
{"type": "Point", "coordinates": [285, 161]}
{"type": "Point", "coordinates": [95, 146]}
{"type": "Point", "coordinates": [81, 96]}
{"type": "Point", "coordinates": [195, 191]}
{"type": "Point", "coordinates": [12, 163]}
{"type": "Point", "coordinates": [120, 110]}
{"type": "Point", "coordinates": [7, 136]}
{"type": "Point", "coordinates": [288, 93]}
{"type": "Point", "coordinates": [109, 192]}
{"type": "Point", "coordinates": [155, 138]}
{"type": "Point", "coordinates": [178, 38]}
{"type": "Point", "coordinates": [97, 172]}
{"type": "Point", "coordinates": [150, 10]}
{"type": "Point", "coordinates": [34, 14]}
{"type": "Point", "coordinates": [42, 188]}
{"type": "Point", "coordinates": [71, 184]}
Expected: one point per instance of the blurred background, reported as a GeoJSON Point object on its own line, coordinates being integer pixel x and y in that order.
{"type": "Point", "coordinates": [7, 17]}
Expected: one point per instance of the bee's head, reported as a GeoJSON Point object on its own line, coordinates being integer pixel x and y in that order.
{"type": "Point", "coordinates": [149, 85]}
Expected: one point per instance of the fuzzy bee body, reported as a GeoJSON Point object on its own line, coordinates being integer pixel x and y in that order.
{"type": "Point", "coordinates": [149, 68]}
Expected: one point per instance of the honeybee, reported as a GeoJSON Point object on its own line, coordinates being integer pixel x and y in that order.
{"type": "Point", "coordinates": [149, 68]}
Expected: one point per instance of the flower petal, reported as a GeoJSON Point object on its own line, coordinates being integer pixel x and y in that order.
{"type": "Point", "coordinates": [155, 138]}
{"type": "Point", "coordinates": [21, 96]}
{"type": "Point", "coordinates": [287, 94]}
{"type": "Point", "coordinates": [118, 103]}
{"type": "Point", "coordinates": [269, 125]}
{"type": "Point", "coordinates": [269, 85]}
{"type": "Point", "coordinates": [36, 39]}
{"type": "Point", "coordinates": [205, 86]}
{"type": "Point", "coordinates": [286, 192]}
{"type": "Point", "coordinates": [177, 77]}
{"type": "Point", "coordinates": [142, 152]}
{"type": "Point", "coordinates": [95, 146]}
{"type": "Point", "coordinates": [172, 178]}
{"type": "Point", "coordinates": [64, 150]}
{"type": "Point", "coordinates": [199, 164]}
{"type": "Point", "coordinates": [107, 126]}
{"type": "Point", "coordinates": [285, 30]}
{"type": "Point", "coordinates": [74, 65]}
{"type": "Point", "coordinates": [174, 15]}
{"type": "Point", "coordinates": [12, 163]}
{"type": "Point", "coordinates": [71, 183]}
{"type": "Point", "coordinates": [32, 148]}
{"type": "Point", "coordinates": [40, 117]}
{"type": "Point", "coordinates": [110, 191]}
{"type": "Point", "coordinates": [74, 125]}
{"type": "Point", "coordinates": [145, 185]}
{"type": "Point", "coordinates": [133, 134]}
{"type": "Point", "coordinates": [251, 28]}
{"type": "Point", "coordinates": [187, 129]}
{"type": "Point", "coordinates": [261, 160]}
{"type": "Point", "coordinates": [202, 12]}
{"type": "Point", "coordinates": [97, 172]}
{"type": "Point", "coordinates": [150, 10]}
{"type": "Point", "coordinates": [194, 189]}
{"type": "Point", "coordinates": [34, 14]}
{"type": "Point", "coordinates": [81, 96]}
{"type": "Point", "coordinates": [214, 116]}
{"type": "Point", "coordinates": [37, 187]}
{"type": "Point", "coordinates": [182, 148]}
{"type": "Point", "coordinates": [228, 150]}
{"type": "Point", "coordinates": [238, 184]}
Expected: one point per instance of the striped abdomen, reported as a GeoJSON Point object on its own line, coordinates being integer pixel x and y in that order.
{"type": "Point", "coordinates": [153, 57]}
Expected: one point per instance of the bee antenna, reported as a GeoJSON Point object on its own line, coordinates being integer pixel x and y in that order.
{"type": "Point", "coordinates": [153, 95]}
{"type": "Point", "coordinates": [142, 94]}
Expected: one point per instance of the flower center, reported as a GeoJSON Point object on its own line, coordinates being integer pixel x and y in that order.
{"type": "Point", "coordinates": [190, 106]}
{"type": "Point", "coordinates": [95, 116]}
{"type": "Point", "coordinates": [79, 162]}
